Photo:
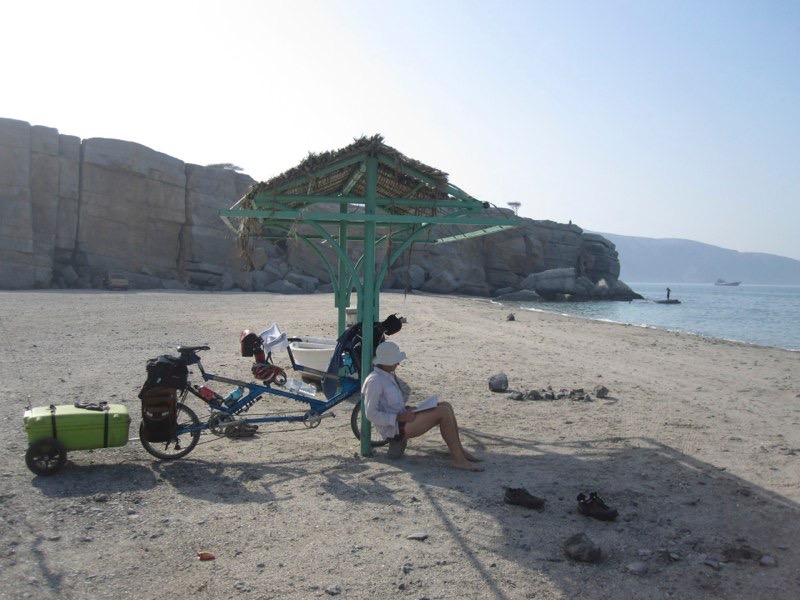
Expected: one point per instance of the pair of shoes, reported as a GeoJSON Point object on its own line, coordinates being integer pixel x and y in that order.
{"type": "Point", "coordinates": [396, 449]}
{"type": "Point", "coordinates": [593, 506]}
{"type": "Point", "coordinates": [241, 430]}
{"type": "Point", "coordinates": [521, 497]}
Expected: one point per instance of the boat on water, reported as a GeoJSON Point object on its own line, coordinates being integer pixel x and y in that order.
{"type": "Point", "coordinates": [726, 283]}
{"type": "Point", "coordinates": [670, 301]}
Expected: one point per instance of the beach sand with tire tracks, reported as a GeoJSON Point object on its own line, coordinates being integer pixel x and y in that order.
{"type": "Point", "coordinates": [697, 446]}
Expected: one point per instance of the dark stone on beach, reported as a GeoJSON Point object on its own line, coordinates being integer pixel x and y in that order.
{"type": "Point", "coordinates": [601, 391]}
{"type": "Point", "coordinates": [498, 382]}
{"type": "Point", "coordinates": [534, 395]}
{"type": "Point", "coordinates": [579, 547]}
{"type": "Point", "coordinates": [511, 317]}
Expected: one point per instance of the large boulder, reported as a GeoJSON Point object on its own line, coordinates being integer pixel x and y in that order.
{"type": "Point", "coordinates": [38, 202]}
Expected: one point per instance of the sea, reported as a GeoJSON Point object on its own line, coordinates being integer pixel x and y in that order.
{"type": "Point", "coordinates": [766, 315]}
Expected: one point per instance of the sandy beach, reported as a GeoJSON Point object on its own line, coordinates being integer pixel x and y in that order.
{"type": "Point", "coordinates": [697, 446]}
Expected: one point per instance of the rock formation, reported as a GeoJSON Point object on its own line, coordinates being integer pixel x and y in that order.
{"type": "Point", "coordinates": [71, 210]}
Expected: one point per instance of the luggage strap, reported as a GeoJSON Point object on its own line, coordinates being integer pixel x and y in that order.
{"type": "Point", "coordinates": [53, 420]}
{"type": "Point", "coordinates": [96, 406]}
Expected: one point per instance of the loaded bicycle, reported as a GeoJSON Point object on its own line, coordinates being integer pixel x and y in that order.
{"type": "Point", "coordinates": [171, 429]}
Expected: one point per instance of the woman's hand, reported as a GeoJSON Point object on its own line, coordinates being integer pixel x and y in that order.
{"type": "Point", "coordinates": [406, 417]}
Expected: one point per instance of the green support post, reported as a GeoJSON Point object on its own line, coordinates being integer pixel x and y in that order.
{"type": "Point", "coordinates": [366, 301]}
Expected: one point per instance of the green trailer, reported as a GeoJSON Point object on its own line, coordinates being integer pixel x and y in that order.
{"type": "Point", "coordinates": [55, 429]}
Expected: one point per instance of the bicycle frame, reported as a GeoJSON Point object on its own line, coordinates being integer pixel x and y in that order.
{"type": "Point", "coordinates": [349, 386]}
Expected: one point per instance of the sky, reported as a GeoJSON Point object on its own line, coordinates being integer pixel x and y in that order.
{"type": "Point", "coordinates": [650, 118]}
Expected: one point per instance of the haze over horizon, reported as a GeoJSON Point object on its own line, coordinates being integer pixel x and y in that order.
{"type": "Point", "coordinates": [661, 120]}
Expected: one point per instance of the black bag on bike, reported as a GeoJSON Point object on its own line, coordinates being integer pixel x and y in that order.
{"type": "Point", "coordinates": [159, 413]}
{"type": "Point", "coordinates": [165, 371]}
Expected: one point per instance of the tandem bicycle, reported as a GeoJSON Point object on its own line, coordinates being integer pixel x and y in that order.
{"type": "Point", "coordinates": [228, 415]}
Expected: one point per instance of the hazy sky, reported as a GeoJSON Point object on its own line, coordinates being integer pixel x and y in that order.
{"type": "Point", "coordinates": [651, 118]}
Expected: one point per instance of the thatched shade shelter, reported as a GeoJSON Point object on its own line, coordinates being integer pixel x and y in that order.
{"type": "Point", "coordinates": [383, 197]}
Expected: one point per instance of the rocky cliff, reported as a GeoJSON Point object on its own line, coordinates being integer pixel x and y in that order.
{"type": "Point", "coordinates": [72, 210]}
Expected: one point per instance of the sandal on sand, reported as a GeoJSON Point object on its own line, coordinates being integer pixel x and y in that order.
{"type": "Point", "coordinates": [396, 449]}
{"type": "Point", "coordinates": [521, 497]}
{"type": "Point", "coordinates": [241, 430]}
{"type": "Point", "coordinates": [593, 506]}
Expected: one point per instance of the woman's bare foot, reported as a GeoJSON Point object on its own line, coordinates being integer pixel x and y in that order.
{"type": "Point", "coordinates": [466, 466]}
{"type": "Point", "coordinates": [471, 457]}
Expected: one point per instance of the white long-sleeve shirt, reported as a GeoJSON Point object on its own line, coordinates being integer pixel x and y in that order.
{"type": "Point", "coordinates": [383, 401]}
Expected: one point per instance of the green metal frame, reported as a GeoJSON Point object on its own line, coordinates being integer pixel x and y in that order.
{"type": "Point", "coordinates": [283, 212]}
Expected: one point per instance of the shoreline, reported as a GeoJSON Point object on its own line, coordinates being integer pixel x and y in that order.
{"type": "Point", "coordinates": [697, 445]}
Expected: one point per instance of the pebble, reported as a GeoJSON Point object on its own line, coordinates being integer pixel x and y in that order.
{"type": "Point", "coordinates": [419, 536]}
{"type": "Point", "coordinates": [407, 568]}
{"type": "Point", "coordinates": [768, 561]}
{"type": "Point", "coordinates": [637, 568]}
{"type": "Point", "coordinates": [581, 548]}
{"type": "Point", "coordinates": [333, 590]}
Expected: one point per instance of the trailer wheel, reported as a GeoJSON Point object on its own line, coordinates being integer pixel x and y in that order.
{"type": "Point", "coordinates": [46, 456]}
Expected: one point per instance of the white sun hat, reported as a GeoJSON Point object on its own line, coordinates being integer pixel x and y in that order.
{"type": "Point", "coordinates": [387, 354]}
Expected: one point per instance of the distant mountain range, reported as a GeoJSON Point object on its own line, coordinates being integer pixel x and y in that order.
{"type": "Point", "coordinates": [645, 260]}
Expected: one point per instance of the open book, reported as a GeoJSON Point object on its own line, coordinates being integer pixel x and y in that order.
{"type": "Point", "coordinates": [427, 403]}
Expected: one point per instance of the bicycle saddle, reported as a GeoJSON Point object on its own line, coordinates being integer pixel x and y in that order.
{"type": "Point", "coordinates": [192, 349]}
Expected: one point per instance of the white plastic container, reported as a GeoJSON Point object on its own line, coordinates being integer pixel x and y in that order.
{"type": "Point", "coordinates": [314, 353]}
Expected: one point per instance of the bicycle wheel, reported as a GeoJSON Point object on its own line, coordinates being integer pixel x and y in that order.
{"type": "Point", "coordinates": [355, 424]}
{"type": "Point", "coordinates": [46, 456]}
{"type": "Point", "coordinates": [186, 437]}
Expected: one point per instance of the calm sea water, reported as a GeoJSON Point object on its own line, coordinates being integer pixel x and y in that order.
{"type": "Point", "coordinates": [768, 315]}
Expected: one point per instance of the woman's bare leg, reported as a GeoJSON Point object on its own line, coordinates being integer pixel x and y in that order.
{"type": "Point", "coordinates": [470, 457]}
{"type": "Point", "coordinates": [444, 417]}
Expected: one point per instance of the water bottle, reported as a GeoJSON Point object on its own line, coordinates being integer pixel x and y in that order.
{"type": "Point", "coordinates": [206, 393]}
{"type": "Point", "coordinates": [233, 396]}
{"type": "Point", "coordinates": [298, 387]}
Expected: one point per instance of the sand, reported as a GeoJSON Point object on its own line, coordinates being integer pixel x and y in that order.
{"type": "Point", "coordinates": [697, 445]}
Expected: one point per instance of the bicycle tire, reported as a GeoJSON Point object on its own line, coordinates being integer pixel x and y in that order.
{"type": "Point", "coordinates": [355, 424]}
{"type": "Point", "coordinates": [46, 456]}
{"type": "Point", "coordinates": [173, 449]}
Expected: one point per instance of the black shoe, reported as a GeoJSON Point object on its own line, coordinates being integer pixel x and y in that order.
{"type": "Point", "coordinates": [521, 497]}
{"type": "Point", "coordinates": [593, 506]}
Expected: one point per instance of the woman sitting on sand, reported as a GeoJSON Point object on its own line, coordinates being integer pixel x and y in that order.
{"type": "Point", "coordinates": [386, 409]}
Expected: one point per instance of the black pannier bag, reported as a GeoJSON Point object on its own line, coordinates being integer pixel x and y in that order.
{"type": "Point", "coordinates": [166, 375]}
{"type": "Point", "coordinates": [159, 413]}
{"type": "Point", "coordinates": [165, 371]}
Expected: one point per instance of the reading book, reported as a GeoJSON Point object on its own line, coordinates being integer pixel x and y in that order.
{"type": "Point", "coordinates": [427, 403]}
